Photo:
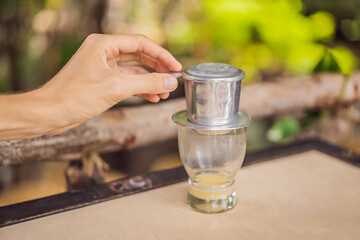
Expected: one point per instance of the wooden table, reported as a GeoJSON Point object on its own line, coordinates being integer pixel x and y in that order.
{"type": "Point", "coordinates": [306, 190]}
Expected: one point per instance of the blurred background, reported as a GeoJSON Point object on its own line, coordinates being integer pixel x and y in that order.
{"type": "Point", "coordinates": [266, 38]}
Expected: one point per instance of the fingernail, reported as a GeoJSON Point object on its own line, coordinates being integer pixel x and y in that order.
{"type": "Point", "coordinates": [170, 83]}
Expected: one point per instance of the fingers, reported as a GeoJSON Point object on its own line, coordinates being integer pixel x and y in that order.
{"type": "Point", "coordinates": [164, 95]}
{"type": "Point", "coordinates": [144, 50]}
{"type": "Point", "coordinates": [144, 59]}
{"type": "Point", "coordinates": [154, 97]}
{"type": "Point", "coordinates": [150, 97]}
{"type": "Point", "coordinates": [132, 69]}
{"type": "Point", "coordinates": [153, 83]}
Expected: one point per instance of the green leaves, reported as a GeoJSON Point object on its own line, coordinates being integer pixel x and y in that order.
{"type": "Point", "coordinates": [327, 63]}
{"type": "Point", "coordinates": [344, 58]}
{"type": "Point", "coordinates": [283, 129]}
{"type": "Point", "coordinates": [263, 37]}
{"type": "Point", "coordinates": [338, 59]}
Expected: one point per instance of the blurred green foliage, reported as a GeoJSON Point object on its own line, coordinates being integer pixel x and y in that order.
{"type": "Point", "coordinates": [283, 129]}
{"type": "Point", "coordinates": [337, 59]}
{"type": "Point", "coordinates": [263, 37]}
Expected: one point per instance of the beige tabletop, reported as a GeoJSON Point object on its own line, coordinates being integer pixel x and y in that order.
{"type": "Point", "coordinates": [305, 196]}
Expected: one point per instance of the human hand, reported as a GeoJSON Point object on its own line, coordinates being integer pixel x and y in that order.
{"type": "Point", "coordinates": [92, 82]}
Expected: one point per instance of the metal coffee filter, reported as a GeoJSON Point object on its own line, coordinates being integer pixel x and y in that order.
{"type": "Point", "coordinates": [212, 92]}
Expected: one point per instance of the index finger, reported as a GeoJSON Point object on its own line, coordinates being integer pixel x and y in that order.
{"type": "Point", "coordinates": [138, 44]}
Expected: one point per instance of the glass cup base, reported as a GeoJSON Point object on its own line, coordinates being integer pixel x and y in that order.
{"type": "Point", "coordinates": [211, 206]}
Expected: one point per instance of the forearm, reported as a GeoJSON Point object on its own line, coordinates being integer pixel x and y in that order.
{"type": "Point", "coordinates": [27, 115]}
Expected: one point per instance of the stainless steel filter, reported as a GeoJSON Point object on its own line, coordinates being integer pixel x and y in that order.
{"type": "Point", "coordinates": [212, 92]}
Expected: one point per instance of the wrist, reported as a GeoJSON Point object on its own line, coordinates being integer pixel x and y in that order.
{"type": "Point", "coordinates": [48, 111]}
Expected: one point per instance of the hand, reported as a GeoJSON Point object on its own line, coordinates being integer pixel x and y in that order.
{"type": "Point", "coordinates": [91, 82]}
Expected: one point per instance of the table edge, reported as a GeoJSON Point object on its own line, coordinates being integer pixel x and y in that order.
{"type": "Point", "coordinates": [29, 210]}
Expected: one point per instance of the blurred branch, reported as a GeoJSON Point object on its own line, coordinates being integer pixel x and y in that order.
{"type": "Point", "coordinates": [85, 173]}
{"type": "Point", "coordinates": [12, 29]}
{"type": "Point", "coordinates": [132, 127]}
{"type": "Point", "coordinates": [300, 93]}
{"type": "Point", "coordinates": [97, 13]}
{"type": "Point", "coordinates": [11, 51]}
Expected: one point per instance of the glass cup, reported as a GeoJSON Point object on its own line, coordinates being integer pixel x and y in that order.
{"type": "Point", "coordinates": [211, 158]}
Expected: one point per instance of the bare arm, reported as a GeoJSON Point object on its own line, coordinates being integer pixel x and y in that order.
{"type": "Point", "coordinates": [27, 115]}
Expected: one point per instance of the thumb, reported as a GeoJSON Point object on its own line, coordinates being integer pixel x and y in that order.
{"type": "Point", "coordinates": [152, 83]}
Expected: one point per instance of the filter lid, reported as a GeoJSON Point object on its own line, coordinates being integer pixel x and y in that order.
{"type": "Point", "coordinates": [214, 72]}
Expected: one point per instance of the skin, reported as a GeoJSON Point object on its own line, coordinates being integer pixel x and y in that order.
{"type": "Point", "coordinates": [89, 84]}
